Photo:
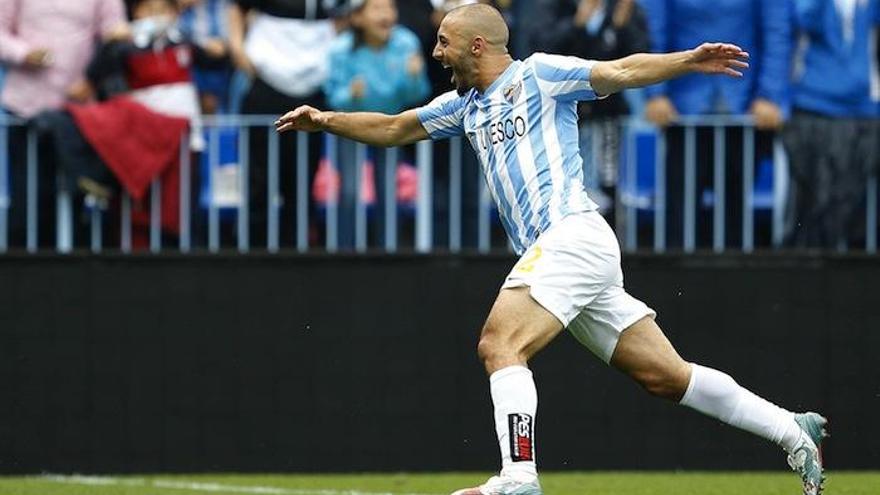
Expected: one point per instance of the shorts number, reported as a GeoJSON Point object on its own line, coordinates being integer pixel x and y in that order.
{"type": "Point", "coordinates": [527, 263]}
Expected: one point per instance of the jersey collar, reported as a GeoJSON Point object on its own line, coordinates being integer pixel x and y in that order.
{"type": "Point", "coordinates": [502, 80]}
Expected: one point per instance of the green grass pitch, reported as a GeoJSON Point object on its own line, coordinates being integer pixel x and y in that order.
{"type": "Point", "coordinates": [594, 483]}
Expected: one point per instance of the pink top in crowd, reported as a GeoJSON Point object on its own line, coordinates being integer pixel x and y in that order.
{"type": "Point", "coordinates": [68, 29]}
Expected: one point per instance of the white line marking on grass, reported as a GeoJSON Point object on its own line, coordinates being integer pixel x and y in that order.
{"type": "Point", "coordinates": [77, 479]}
{"type": "Point", "coordinates": [200, 487]}
{"type": "Point", "coordinates": [262, 490]}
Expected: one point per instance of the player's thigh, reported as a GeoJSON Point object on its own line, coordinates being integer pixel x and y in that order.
{"type": "Point", "coordinates": [568, 266]}
{"type": "Point", "coordinates": [518, 324]}
{"type": "Point", "coordinates": [601, 323]}
{"type": "Point", "coordinates": [561, 273]}
{"type": "Point", "coordinates": [644, 353]}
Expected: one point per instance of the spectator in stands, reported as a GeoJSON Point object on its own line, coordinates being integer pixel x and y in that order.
{"type": "Point", "coordinates": [3, 128]}
{"type": "Point", "coordinates": [595, 30]}
{"type": "Point", "coordinates": [283, 45]}
{"type": "Point", "coordinates": [763, 29]}
{"type": "Point", "coordinates": [205, 24]}
{"type": "Point", "coordinates": [417, 16]}
{"type": "Point", "coordinates": [149, 103]}
{"type": "Point", "coordinates": [47, 45]}
{"type": "Point", "coordinates": [153, 66]}
{"type": "Point", "coordinates": [375, 66]}
{"type": "Point", "coordinates": [2, 80]}
{"type": "Point", "coordinates": [832, 137]}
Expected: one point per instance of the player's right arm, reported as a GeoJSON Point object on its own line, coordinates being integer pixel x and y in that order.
{"type": "Point", "coordinates": [375, 129]}
{"type": "Point", "coordinates": [439, 119]}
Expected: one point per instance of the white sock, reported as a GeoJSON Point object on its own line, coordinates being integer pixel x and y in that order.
{"type": "Point", "coordinates": [516, 401]}
{"type": "Point", "coordinates": [716, 394]}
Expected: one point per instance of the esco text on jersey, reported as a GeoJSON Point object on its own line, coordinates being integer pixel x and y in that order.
{"type": "Point", "coordinates": [499, 132]}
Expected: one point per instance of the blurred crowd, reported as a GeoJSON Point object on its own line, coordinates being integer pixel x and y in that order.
{"type": "Point", "coordinates": [114, 88]}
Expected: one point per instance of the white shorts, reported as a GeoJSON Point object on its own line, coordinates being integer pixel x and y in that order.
{"type": "Point", "coordinates": [573, 271]}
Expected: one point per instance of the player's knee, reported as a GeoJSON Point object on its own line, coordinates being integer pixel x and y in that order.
{"type": "Point", "coordinates": [664, 383]}
{"type": "Point", "coordinates": [495, 352]}
{"type": "Point", "coordinates": [490, 349]}
{"type": "Point", "coordinates": [485, 349]}
{"type": "Point", "coordinates": [656, 385]}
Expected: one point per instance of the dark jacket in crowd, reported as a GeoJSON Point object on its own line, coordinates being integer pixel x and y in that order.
{"type": "Point", "coordinates": [292, 9]}
{"type": "Point", "coordinates": [555, 32]}
{"type": "Point", "coordinates": [150, 59]}
{"type": "Point", "coordinates": [416, 15]}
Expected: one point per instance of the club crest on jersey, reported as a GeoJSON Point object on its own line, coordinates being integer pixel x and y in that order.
{"type": "Point", "coordinates": [511, 93]}
{"type": "Point", "coordinates": [522, 437]}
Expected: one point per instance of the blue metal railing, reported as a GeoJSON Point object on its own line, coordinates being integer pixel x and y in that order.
{"type": "Point", "coordinates": [635, 195]}
{"type": "Point", "coordinates": [657, 199]}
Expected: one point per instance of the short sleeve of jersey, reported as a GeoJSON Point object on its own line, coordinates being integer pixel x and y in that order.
{"type": "Point", "coordinates": [564, 78]}
{"type": "Point", "coordinates": [443, 117]}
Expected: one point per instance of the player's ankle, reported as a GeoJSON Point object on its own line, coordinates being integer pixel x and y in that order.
{"type": "Point", "coordinates": [520, 472]}
{"type": "Point", "coordinates": [792, 435]}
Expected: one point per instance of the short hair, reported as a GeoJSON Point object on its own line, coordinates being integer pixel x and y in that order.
{"type": "Point", "coordinates": [483, 20]}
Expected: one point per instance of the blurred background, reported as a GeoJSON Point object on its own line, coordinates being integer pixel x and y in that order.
{"type": "Point", "coordinates": [186, 290]}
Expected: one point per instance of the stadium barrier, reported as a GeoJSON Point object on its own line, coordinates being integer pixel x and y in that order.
{"type": "Point", "coordinates": [642, 196]}
{"type": "Point", "coordinates": [634, 199]}
{"type": "Point", "coordinates": [343, 363]}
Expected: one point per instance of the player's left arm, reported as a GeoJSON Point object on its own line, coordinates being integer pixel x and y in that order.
{"type": "Point", "coordinates": [645, 69]}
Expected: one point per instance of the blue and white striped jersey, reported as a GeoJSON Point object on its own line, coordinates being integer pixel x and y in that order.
{"type": "Point", "coordinates": [524, 130]}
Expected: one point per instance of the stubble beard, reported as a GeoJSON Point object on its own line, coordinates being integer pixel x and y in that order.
{"type": "Point", "coordinates": [460, 86]}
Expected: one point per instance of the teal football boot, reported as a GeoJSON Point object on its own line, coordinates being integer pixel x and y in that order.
{"type": "Point", "coordinates": [806, 457]}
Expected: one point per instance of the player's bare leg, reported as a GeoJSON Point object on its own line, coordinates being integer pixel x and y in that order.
{"type": "Point", "coordinates": [646, 355]}
{"type": "Point", "coordinates": [516, 329]}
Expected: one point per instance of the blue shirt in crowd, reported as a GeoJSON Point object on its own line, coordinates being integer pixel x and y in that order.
{"type": "Point", "coordinates": [835, 70]}
{"type": "Point", "coordinates": [389, 86]}
{"type": "Point", "coordinates": [199, 23]}
{"type": "Point", "coordinates": [760, 27]}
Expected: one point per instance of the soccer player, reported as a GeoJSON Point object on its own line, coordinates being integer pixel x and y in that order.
{"type": "Point", "coordinates": [521, 120]}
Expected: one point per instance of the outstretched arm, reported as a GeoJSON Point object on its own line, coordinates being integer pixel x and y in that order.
{"type": "Point", "coordinates": [644, 69]}
{"type": "Point", "coordinates": [375, 129]}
